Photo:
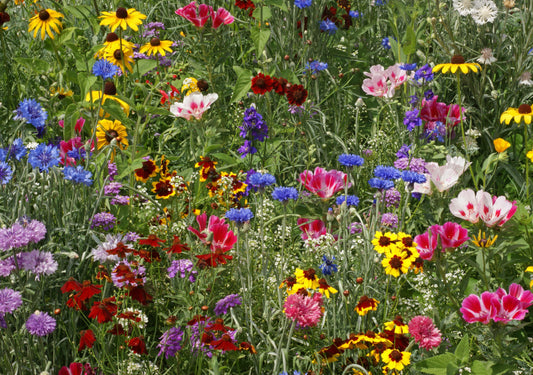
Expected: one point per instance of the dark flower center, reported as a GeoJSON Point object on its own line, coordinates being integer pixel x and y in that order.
{"type": "Point", "coordinates": [110, 135]}
{"type": "Point", "coordinates": [202, 85]}
{"type": "Point", "coordinates": [4, 17]}
{"type": "Point", "coordinates": [524, 109]}
{"type": "Point", "coordinates": [111, 37]}
{"type": "Point", "coordinates": [44, 15]}
{"type": "Point", "coordinates": [384, 241]}
{"type": "Point", "coordinates": [122, 13]}
{"type": "Point", "coordinates": [310, 274]}
{"type": "Point", "coordinates": [395, 355]}
{"type": "Point", "coordinates": [396, 262]}
{"type": "Point", "coordinates": [458, 59]}
{"type": "Point", "coordinates": [407, 241]}
{"type": "Point", "coordinates": [110, 88]}
{"type": "Point", "coordinates": [154, 42]}
{"type": "Point", "coordinates": [118, 54]}
{"type": "Point", "coordinates": [260, 82]}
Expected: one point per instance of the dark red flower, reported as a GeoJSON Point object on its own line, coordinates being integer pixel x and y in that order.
{"type": "Point", "coordinates": [196, 319]}
{"type": "Point", "coordinates": [137, 345]}
{"type": "Point", "coordinates": [87, 339]}
{"type": "Point", "coordinates": [104, 310]}
{"type": "Point", "coordinates": [139, 294]}
{"type": "Point", "coordinates": [280, 85]}
{"type": "Point", "coordinates": [152, 240]}
{"type": "Point", "coordinates": [75, 368]}
{"type": "Point", "coordinates": [224, 343]}
{"type": "Point", "coordinates": [217, 326]}
{"type": "Point", "coordinates": [177, 247]}
{"type": "Point", "coordinates": [131, 315]}
{"type": "Point", "coordinates": [296, 95]}
{"type": "Point", "coordinates": [70, 285]}
{"type": "Point", "coordinates": [213, 259]}
{"type": "Point", "coordinates": [148, 169]}
{"type": "Point", "coordinates": [120, 250]}
{"type": "Point", "coordinates": [261, 84]}
{"type": "Point", "coordinates": [117, 330]}
{"type": "Point", "coordinates": [4, 17]}
{"type": "Point", "coordinates": [148, 255]}
{"type": "Point", "coordinates": [85, 291]}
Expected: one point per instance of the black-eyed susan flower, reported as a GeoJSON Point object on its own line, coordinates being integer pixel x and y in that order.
{"type": "Point", "coordinates": [457, 62]}
{"type": "Point", "coordinates": [524, 112]}
{"type": "Point", "coordinates": [163, 189]}
{"type": "Point", "coordinates": [156, 46]}
{"type": "Point", "coordinates": [307, 278]}
{"type": "Point", "coordinates": [208, 168]}
{"type": "Point", "coordinates": [110, 92]}
{"type": "Point", "coordinates": [482, 241]}
{"type": "Point", "coordinates": [500, 145]}
{"type": "Point", "coordinates": [112, 43]}
{"type": "Point", "coordinates": [530, 269]}
{"type": "Point", "coordinates": [122, 17]}
{"type": "Point", "coordinates": [107, 131]}
{"type": "Point", "coordinates": [396, 262]}
{"type": "Point", "coordinates": [366, 305]}
{"type": "Point", "coordinates": [395, 359]}
{"type": "Point", "coordinates": [384, 241]}
{"type": "Point", "coordinates": [61, 92]}
{"type": "Point", "coordinates": [45, 21]}
{"type": "Point", "coordinates": [123, 58]}
{"type": "Point", "coordinates": [529, 155]}
{"type": "Point", "coordinates": [397, 326]}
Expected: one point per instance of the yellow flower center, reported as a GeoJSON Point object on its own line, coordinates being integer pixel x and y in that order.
{"type": "Point", "coordinates": [111, 37]}
{"type": "Point", "coordinates": [44, 15]}
{"type": "Point", "coordinates": [524, 109]}
{"type": "Point", "coordinates": [154, 42]}
{"type": "Point", "coordinates": [122, 13]}
{"type": "Point", "coordinates": [458, 59]}
{"type": "Point", "coordinates": [109, 88]}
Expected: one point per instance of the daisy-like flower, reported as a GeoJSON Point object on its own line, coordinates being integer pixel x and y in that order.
{"type": "Point", "coordinates": [308, 279]}
{"type": "Point", "coordinates": [111, 43]}
{"type": "Point", "coordinates": [156, 46]}
{"type": "Point", "coordinates": [529, 155]}
{"type": "Point", "coordinates": [486, 57]}
{"type": "Point", "coordinates": [193, 105]}
{"type": "Point", "coordinates": [396, 262]}
{"type": "Point", "coordinates": [122, 17]}
{"type": "Point", "coordinates": [395, 359]}
{"type": "Point", "coordinates": [384, 241]}
{"type": "Point", "coordinates": [123, 58]}
{"type": "Point", "coordinates": [482, 241]}
{"type": "Point", "coordinates": [464, 7]}
{"type": "Point", "coordinates": [325, 288]}
{"type": "Point", "coordinates": [366, 305]}
{"type": "Point", "coordinates": [524, 112]}
{"type": "Point", "coordinates": [484, 11]}
{"type": "Point", "coordinates": [500, 145]}
{"type": "Point", "coordinates": [45, 21]}
{"type": "Point", "coordinates": [110, 92]}
{"type": "Point", "coordinates": [111, 130]}
{"type": "Point", "coordinates": [530, 269]}
{"type": "Point", "coordinates": [525, 79]}
{"type": "Point", "coordinates": [397, 326]}
{"type": "Point", "coordinates": [457, 62]}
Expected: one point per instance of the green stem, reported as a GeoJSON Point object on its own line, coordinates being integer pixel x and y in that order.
{"type": "Point", "coordinates": [460, 100]}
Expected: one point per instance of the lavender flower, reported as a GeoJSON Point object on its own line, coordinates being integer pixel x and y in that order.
{"type": "Point", "coordinates": [411, 119]}
{"type": "Point", "coordinates": [40, 324]}
{"type": "Point", "coordinates": [170, 342]}
{"type": "Point", "coordinates": [403, 152]}
{"type": "Point", "coordinates": [389, 220]}
{"type": "Point", "coordinates": [112, 188]}
{"type": "Point", "coordinates": [226, 303]}
{"type": "Point", "coordinates": [2, 321]}
{"type": "Point", "coordinates": [103, 220]}
{"type": "Point", "coordinates": [14, 237]}
{"type": "Point", "coordinates": [7, 266]}
{"type": "Point", "coordinates": [100, 253]}
{"type": "Point", "coordinates": [38, 262]}
{"type": "Point", "coordinates": [111, 170]}
{"type": "Point", "coordinates": [184, 268]}
{"type": "Point", "coordinates": [10, 300]}
{"type": "Point", "coordinates": [35, 231]}
{"type": "Point", "coordinates": [120, 200]}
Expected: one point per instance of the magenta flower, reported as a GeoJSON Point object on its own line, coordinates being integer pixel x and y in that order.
{"type": "Point", "coordinates": [425, 333]}
{"type": "Point", "coordinates": [305, 310]}
{"type": "Point", "coordinates": [222, 16]}
{"type": "Point", "coordinates": [314, 229]}
{"type": "Point", "coordinates": [223, 238]}
{"type": "Point", "coordinates": [189, 12]}
{"type": "Point", "coordinates": [324, 183]}
{"type": "Point", "coordinates": [452, 235]}
{"type": "Point", "coordinates": [383, 82]}
{"type": "Point", "coordinates": [478, 309]}
{"type": "Point", "coordinates": [427, 243]}
{"type": "Point", "coordinates": [512, 305]}
{"type": "Point", "coordinates": [194, 105]}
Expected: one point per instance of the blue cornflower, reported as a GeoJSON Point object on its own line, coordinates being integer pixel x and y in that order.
{"type": "Point", "coordinates": [316, 66]}
{"type": "Point", "coordinates": [283, 194]}
{"type": "Point", "coordinates": [77, 153]}
{"type": "Point", "coordinates": [408, 66]}
{"type": "Point", "coordinates": [261, 181]}
{"type": "Point", "coordinates": [328, 267]}
{"type": "Point", "coordinates": [530, 51]}
{"type": "Point", "coordinates": [411, 119]}
{"type": "Point", "coordinates": [17, 149]}
{"type": "Point", "coordinates": [44, 157]}
{"type": "Point", "coordinates": [380, 2]}
{"type": "Point", "coordinates": [3, 154]}
{"type": "Point", "coordinates": [105, 69]}
{"type": "Point", "coordinates": [424, 72]}
{"type": "Point", "coordinates": [32, 112]}
{"type": "Point", "coordinates": [403, 152]}
{"type": "Point", "coordinates": [303, 3]}
{"type": "Point", "coordinates": [328, 26]}
{"type": "Point", "coordinates": [351, 200]}
{"type": "Point", "coordinates": [239, 215]}
{"type": "Point", "coordinates": [413, 177]}
{"type": "Point", "coordinates": [378, 183]}
{"type": "Point", "coordinates": [351, 160]}
{"type": "Point", "coordinates": [386, 173]}
{"type": "Point", "coordinates": [78, 175]}
{"type": "Point", "coordinates": [355, 14]}
{"type": "Point", "coordinates": [386, 43]}
{"type": "Point", "coordinates": [5, 173]}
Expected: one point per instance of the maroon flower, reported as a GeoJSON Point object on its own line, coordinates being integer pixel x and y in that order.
{"type": "Point", "coordinates": [296, 95]}
{"type": "Point", "coordinates": [261, 84]}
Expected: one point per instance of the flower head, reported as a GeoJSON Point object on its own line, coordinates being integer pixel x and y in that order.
{"type": "Point", "coordinates": [122, 17]}
{"type": "Point", "coordinates": [78, 175]}
{"type": "Point", "coordinates": [40, 324]}
{"type": "Point", "coordinates": [351, 160]}
{"type": "Point", "coordinates": [194, 105]}
{"type": "Point", "coordinates": [197, 16]}
{"type": "Point", "coordinates": [170, 342]}
{"type": "Point", "coordinates": [239, 215]}
{"type": "Point", "coordinates": [395, 359]}
{"type": "Point", "coordinates": [365, 305]}
{"type": "Point", "coordinates": [305, 310]}
{"type": "Point", "coordinates": [486, 57]}
{"type": "Point", "coordinates": [500, 145]}
{"type": "Point", "coordinates": [32, 112]}
{"type": "Point", "coordinates": [283, 194]}
{"type": "Point", "coordinates": [104, 69]}
{"type": "Point", "coordinates": [523, 112]}
{"type": "Point", "coordinates": [45, 21]}
{"type": "Point", "coordinates": [425, 333]}
{"type": "Point", "coordinates": [328, 26]}
{"type": "Point", "coordinates": [155, 46]}
{"type": "Point", "coordinates": [457, 62]}
{"type": "Point", "coordinates": [10, 300]}
{"type": "Point", "coordinates": [223, 305]}
{"type": "Point", "coordinates": [303, 3]}
{"type": "Point", "coordinates": [44, 157]}
{"type": "Point", "coordinates": [324, 183]}
{"type": "Point", "coordinates": [5, 173]}
{"type": "Point", "coordinates": [484, 11]}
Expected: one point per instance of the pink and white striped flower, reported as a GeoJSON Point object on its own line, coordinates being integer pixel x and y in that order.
{"type": "Point", "coordinates": [324, 183]}
{"type": "Point", "coordinates": [189, 12]}
{"type": "Point", "coordinates": [491, 210]}
{"type": "Point", "coordinates": [478, 308]}
{"type": "Point", "coordinates": [452, 235]}
{"type": "Point", "coordinates": [194, 105]}
{"type": "Point", "coordinates": [221, 16]}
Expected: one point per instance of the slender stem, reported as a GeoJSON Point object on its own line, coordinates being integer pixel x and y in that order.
{"type": "Point", "coordinates": [458, 75]}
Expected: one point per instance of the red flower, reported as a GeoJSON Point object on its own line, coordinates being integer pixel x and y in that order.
{"type": "Point", "coordinates": [75, 368]}
{"type": "Point", "coordinates": [152, 240]}
{"type": "Point", "coordinates": [87, 340]}
{"type": "Point", "coordinates": [218, 326]}
{"type": "Point", "coordinates": [70, 285]}
{"type": "Point", "coordinates": [117, 330]}
{"type": "Point", "coordinates": [177, 247]}
{"type": "Point", "coordinates": [85, 291]}
{"type": "Point", "coordinates": [148, 255]}
{"type": "Point", "coordinates": [213, 260]}
{"type": "Point", "coordinates": [103, 310]}
{"type": "Point", "coordinates": [137, 345]}
{"type": "Point", "coordinates": [261, 84]}
{"type": "Point", "coordinates": [148, 169]}
{"type": "Point", "coordinates": [121, 250]}
{"type": "Point", "coordinates": [139, 294]}
{"type": "Point", "coordinates": [280, 85]}
{"type": "Point", "coordinates": [296, 95]}
{"type": "Point", "coordinates": [224, 343]}
{"type": "Point", "coordinates": [223, 238]}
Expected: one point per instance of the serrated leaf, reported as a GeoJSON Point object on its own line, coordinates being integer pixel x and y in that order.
{"type": "Point", "coordinates": [260, 36]}
{"type": "Point", "coordinates": [243, 84]}
{"type": "Point", "coordinates": [482, 368]}
{"type": "Point", "coordinates": [143, 66]}
{"type": "Point", "coordinates": [35, 65]}
{"type": "Point", "coordinates": [462, 352]}
{"type": "Point", "coordinates": [65, 35]}
{"type": "Point", "coordinates": [437, 365]}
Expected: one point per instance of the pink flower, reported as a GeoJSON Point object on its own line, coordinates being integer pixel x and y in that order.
{"type": "Point", "coordinates": [78, 126]}
{"type": "Point", "coordinates": [524, 296]}
{"type": "Point", "coordinates": [222, 16]}
{"type": "Point", "coordinates": [377, 86]}
{"type": "Point", "coordinates": [443, 177]}
{"type": "Point", "coordinates": [507, 308]}
{"type": "Point", "coordinates": [305, 310]}
{"type": "Point", "coordinates": [427, 243]}
{"type": "Point", "coordinates": [478, 309]}
{"type": "Point", "coordinates": [189, 13]}
{"type": "Point", "coordinates": [432, 110]}
{"type": "Point", "coordinates": [324, 183]}
{"type": "Point", "coordinates": [491, 210]}
{"type": "Point", "coordinates": [452, 235]}
{"type": "Point", "coordinates": [425, 333]}
{"type": "Point", "coordinates": [222, 239]}
{"type": "Point", "coordinates": [396, 75]}
{"type": "Point", "coordinates": [75, 368]}
{"type": "Point", "coordinates": [383, 82]}
{"type": "Point", "coordinates": [194, 105]}
{"type": "Point", "coordinates": [313, 230]}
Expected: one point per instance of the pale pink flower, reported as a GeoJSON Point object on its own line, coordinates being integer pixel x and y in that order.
{"type": "Point", "coordinates": [443, 177]}
{"type": "Point", "coordinates": [377, 86]}
{"type": "Point", "coordinates": [465, 206]}
{"type": "Point", "coordinates": [491, 210]}
{"type": "Point", "coordinates": [478, 309]}
{"type": "Point", "coordinates": [324, 183]}
{"type": "Point", "coordinates": [396, 75]}
{"type": "Point", "coordinates": [305, 310]}
{"type": "Point", "coordinates": [198, 19]}
{"type": "Point", "coordinates": [194, 105]}
{"type": "Point", "coordinates": [383, 82]}
{"type": "Point", "coordinates": [424, 332]}
{"type": "Point", "coordinates": [452, 235]}
{"type": "Point", "coordinates": [222, 16]}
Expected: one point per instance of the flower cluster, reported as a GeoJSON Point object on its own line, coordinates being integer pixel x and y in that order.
{"type": "Point", "coordinates": [253, 129]}
{"type": "Point", "coordinates": [296, 94]}
{"type": "Point", "coordinates": [383, 82]}
{"type": "Point", "coordinates": [400, 252]}
{"type": "Point", "coordinates": [451, 235]}
{"type": "Point", "coordinates": [198, 16]}
{"type": "Point", "coordinates": [21, 234]}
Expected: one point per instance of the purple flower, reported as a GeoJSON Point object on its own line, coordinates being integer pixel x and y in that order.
{"type": "Point", "coordinates": [120, 200]}
{"type": "Point", "coordinates": [328, 26]}
{"type": "Point", "coordinates": [131, 237]}
{"type": "Point", "coordinates": [40, 324]}
{"type": "Point", "coordinates": [6, 173]}
{"type": "Point", "coordinates": [137, 270]}
{"type": "Point", "coordinates": [411, 119]}
{"type": "Point", "coordinates": [425, 73]}
{"type": "Point", "coordinates": [2, 321]}
{"type": "Point", "coordinates": [38, 262]}
{"type": "Point", "coordinates": [184, 268]}
{"type": "Point", "coordinates": [253, 128]}
{"type": "Point", "coordinates": [14, 237]}
{"type": "Point", "coordinates": [35, 230]}
{"type": "Point", "coordinates": [226, 303]}
{"type": "Point", "coordinates": [111, 170]}
{"type": "Point", "coordinates": [170, 342]}
{"type": "Point", "coordinates": [103, 220]}
{"type": "Point", "coordinates": [389, 220]}
{"type": "Point", "coordinates": [403, 152]}
{"type": "Point", "coordinates": [10, 300]}
{"type": "Point", "coordinates": [112, 188]}
{"type": "Point", "coordinates": [7, 266]}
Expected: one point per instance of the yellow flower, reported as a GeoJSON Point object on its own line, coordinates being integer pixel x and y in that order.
{"type": "Point", "coordinates": [156, 46]}
{"type": "Point", "coordinates": [365, 305]}
{"type": "Point", "coordinates": [481, 241]}
{"type": "Point", "coordinates": [325, 288]}
{"type": "Point", "coordinates": [112, 43]}
{"type": "Point", "coordinates": [46, 21]}
{"type": "Point", "coordinates": [308, 279]}
{"type": "Point", "coordinates": [395, 359]}
{"type": "Point", "coordinates": [457, 62]}
{"type": "Point", "coordinates": [122, 17]}
{"type": "Point", "coordinates": [397, 326]}
{"type": "Point", "coordinates": [384, 241]}
{"type": "Point", "coordinates": [108, 131]}
{"type": "Point", "coordinates": [163, 188]}
{"type": "Point", "coordinates": [396, 262]}
{"type": "Point", "coordinates": [529, 155]}
{"type": "Point", "coordinates": [530, 269]}
{"type": "Point", "coordinates": [189, 86]}
{"type": "Point", "coordinates": [110, 92]}
{"type": "Point", "coordinates": [500, 145]}
{"type": "Point", "coordinates": [517, 114]}
{"type": "Point", "coordinates": [123, 58]}
{"type": "Point", "coordinates": [60, 92]}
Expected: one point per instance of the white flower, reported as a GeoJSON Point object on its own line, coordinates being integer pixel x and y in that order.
{"type": "Point", "coordinates": [442, 177]}
{"type": "Point", "coordinates": [464, 7]}
{"type": "Point", "coordinates": [486, 57]}
{"type": "Point", "coordinates": [484, 11]}
{"type": "Point", "coordinates": [525, 79]}
{"type": "Point", "coordinates": [194, 104]}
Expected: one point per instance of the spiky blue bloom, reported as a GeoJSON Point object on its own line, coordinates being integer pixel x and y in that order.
{"type": "Point", "coordinates": [351, 160]}
{"type": "Point", "coordinates": [3, 154]}
{"type": "Point", "coordinates": [78, 175]}
{"type": "Point", "coordinates": [44, 157]}
{"type": "Point", "coordinates": [316, 66]}
{"type": "Point", "coordinates": [328, 26]}
{"type": "Point", "coordinates": [378, 183]}
{"type": "Point", "coordinates": [303, 3]}
{"type": "Point", "coordinates": [351, 200]}
{"type": "Point", "coordinates": [413, 177]}
{"type": "Point", "coordinates": [260, 180]}
{"type": "Point", "coordinates": [386, 172]}
{"type": "Point", "coordinates": [104, 69]}
{"type": "Point", "coordinates": [239, 215]}
{"type": "Point", "coordinates": [6, 173]}
{"type": "Point", "coordinates": [328, 267]}
{"type": "Point", "coordinates": [411, 119]}
{"type": "Point", "coordinates": [386, 43]}
{"type": "Point", "coordinates": [408, 66]}
{"type": "Point", "coordinates": [425, 72]}
{"type": "Point", "coordinates": [355, 14]}
{"type": "Point", "coordinates": [283, 194]}
{"type": "Point", "coordinates": [31, 111]}
{"type": "Point", "coordinates": [17, 149]}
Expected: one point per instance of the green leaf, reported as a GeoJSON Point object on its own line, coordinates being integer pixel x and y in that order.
{"type": "Point", "coordinates": [482, 368]}
{"type": "Point", "coordinates": [260, 38]}
{"type": "Point", "coordinates": [437, 365]}
{"type": "Point", "coordinates": [277, 3]}
{"type": "Point", "coordinates": [227, 159]}
{"type": "Point", "coordinates": [35, 65]}
{"type": "Point", "coordinates": [462, 352]}
{"type": "Point", "coordinates": [410, 41]}
{"type": "Point", "coordinates": [136, 164]}
{"type": "Point", "coordinates": [144, 66]}
{"type": "Point", "coordinates": [71, 116]}
{"type": "Point", "coordinates": [243, 84]}
{"type": "Point", "coordinates": [85, 80]}
{"type": "Point", "coordinates": [116, 112]}
{"type": "Point", "coordinates": [65, 35]}
{"type": "Point", "coordinates": [262, 13]}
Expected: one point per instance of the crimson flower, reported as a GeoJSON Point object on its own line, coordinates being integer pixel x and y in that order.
{"type": "Point", "coordinates": [85, 291]}
{"type": "Point", "coordinates": [296, 95]}
{"type": "Point", "coordinates": [104, 310]}
{"type": "Point", "coordinates": [189, 12]}
{"type": "Point", "coordinates": [87, 339]}
{"type": "Point", "coordinates": [314, 229]}
{"type": "Point", "coordinates": [75, 368]}
{"type": "Point", "coordinates": [177, 247]}
{"type": "Point", "coordinates": [139, 294]}
{"type": "Point", "coordinates": [280, 85]}
{"type": "Point", "coordinates": [117, 330]}
{"type": "Point", "coordinates": [120, 250]}
{"type": "Point", "coordinates": [152, 240]}
{"type": "Point", "coordinates": [137, 345]}
{"type": "Point", "coordinates": [262, 84]}
{"type": "Point", "coordinates": [224, 343]}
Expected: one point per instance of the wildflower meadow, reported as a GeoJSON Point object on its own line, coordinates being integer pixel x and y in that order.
{"type": "Point", "coordinates": [284, 187]}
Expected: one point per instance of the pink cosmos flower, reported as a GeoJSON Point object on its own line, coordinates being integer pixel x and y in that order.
{"type": "Point", "coordinates": [194, 105]}
{"type": "Point", "coordinates": [427, 243]}
{"type": "Point", "coordinates": [452, 235]}
{"type": "Point", "coordinates": [478, 309]}
{"type": "Point", "coordinates": [314, 229]}
{"type": "Point", "coordinates": [425, 333]}
{"type": "Point", "coordinates": [198, 19]}
{"type": "Point", "coordinates": [491, 210]}
{"type": "Point", "coordinates": [305, 310]}
{"type": "Point", "coordinates": [222, 239]}
{"type": "Point", "coordinates": [324, 183]}
{"type": "Point", "coordinates": [383, 82]}
{"type": "Point", "coordinates": [222, 16]}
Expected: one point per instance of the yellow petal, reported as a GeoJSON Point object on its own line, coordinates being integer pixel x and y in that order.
{"type": "Point", "coordinates": [454, 68]}
{"type": "Point", "coordinates": [435, 69]}
{"type": "Point", "coordinates": [445, 68]}
{"type": "Point", "coordinates": [527, 119]}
